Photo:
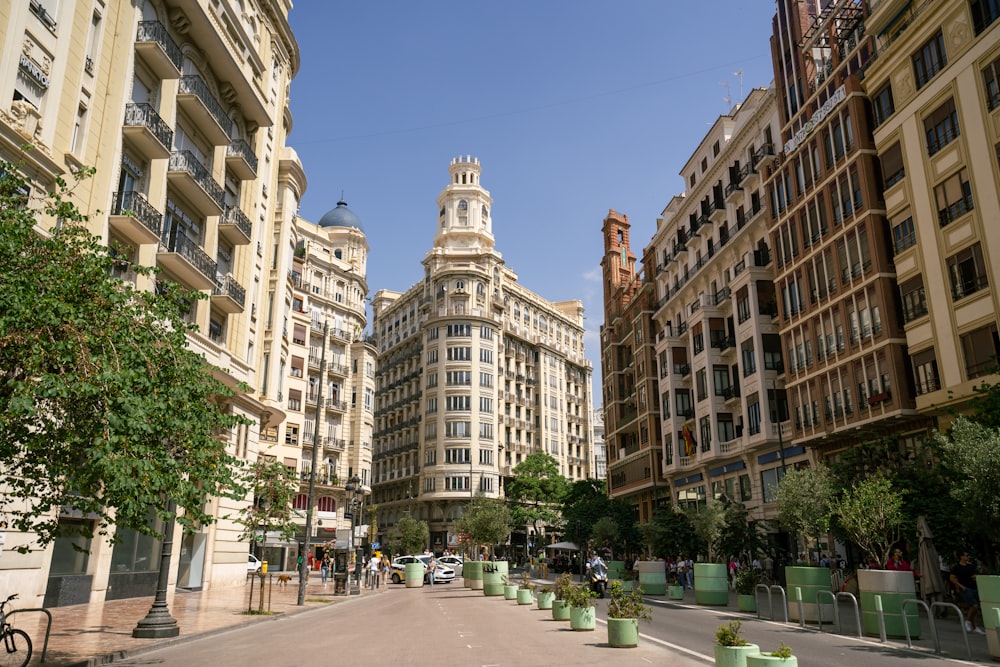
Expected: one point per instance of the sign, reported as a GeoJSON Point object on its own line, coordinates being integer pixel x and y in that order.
{"type": "Point", "coordinates": [376, 545]}
{"type": "Point", "coordinates": [838, 96]}
{"type": "Point", "coordinates": [348, 515]}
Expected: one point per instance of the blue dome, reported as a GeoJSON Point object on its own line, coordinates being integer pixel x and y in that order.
{"type": "Point", "coordinates": [341, 216]}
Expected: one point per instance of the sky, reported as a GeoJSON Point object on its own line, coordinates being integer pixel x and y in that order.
{"type": "Point", "coordinates": [573, 107]}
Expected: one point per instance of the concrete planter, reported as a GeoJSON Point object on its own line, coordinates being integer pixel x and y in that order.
{"type": "Point", "coordinates": [413, 575]}
{"type": "Point", "coordinates": [807, 581]}
{"type": "Point", "coordinates": [891, 587]}
{"type": "Point", "coordinates": [616, 570]}
{"type": "Point", "coordinates": [494, 577]}
{"type": "Point", "coordinates": [582, 619]}
{"type": "Point", "coordinates": [711, 584]}
{"type": "Point", "coordinates": [545, 599]}
{"type": "Point", "coordinates": [472, 574]}
{"type": "Point", "coordinates": [652, 577]}
{"type": "Point", "coordinates": [525, 596]}
{"type": "Point", "coordinates": [765, 660]}
{"type": "Point", "coordinates": [675, 592]}
{"type": "Point", "coordinates": [509, 592]}
{"type": "Point", "coordinates": [989, 600]}
{"type": "Point", "coordinates": [747, 603]}
{"type": "Point", "coordinates": [734, 656]}
{"type": "Point", "coordinates": [623, 632]}
{"type": "Point", "coordinates": [560, 610]}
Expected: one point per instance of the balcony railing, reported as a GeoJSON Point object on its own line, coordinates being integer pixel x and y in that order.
{"type": "Point", "coordinates": [186, 161]}
{"type": "Point", "coordinates": [156, 32]}
{"type": "Point", "coordinates": [241, 149]}
{"type": "Point", "coordinates": [234, 216]}
{"type": "Point", "coordinates": [143, 115]}
{"type": "Point", "coordinates": [175, 241]}
{"type": "Point", "coordinates": [193, 84]}
{"type": "Point", "coordinates": [955, 210]}
{"type": "Point", "coordinates": [227, 286]}
{"type": "Point", "coordinates": [134, 205]}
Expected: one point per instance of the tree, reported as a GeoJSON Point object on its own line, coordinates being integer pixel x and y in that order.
{"type": "Point", "coordinates": [486, 521]}
{"type": "Point", "coordinates": [973, 451]}
{"type": "Point", "coordinates": [670, 533]}
{"type": "Point", "coordinates": [741, 535]}
{"type": "Point", "coordinates": [805, 502]}
{"type": "Point", "coordinates": [585, 503]}
{"type": "Point", "coordinates": [103, 407]}
{"type": "Point", "coordinates": [870, 514]}
{"type": "Point", "coordinates": [708, 522]}
{"type": "Point", "coordinates": [535, 491]}
{"type": "Point", "coordinates": [605, 535]}
{"type": "Point", "coordinates": [411, 535]}
{"type": "Point", "coordinates": [274, 488]}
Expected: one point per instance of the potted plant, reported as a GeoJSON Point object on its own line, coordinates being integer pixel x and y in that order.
{"type": "Point", "coordinates": [509, 589]}
{"type": "Point", "coordinates": [546, 597]}
{"type": "Point", "coordinates": [560, 605]}
{"type": "Point", "coordinates": [624, 612]}
{"type": "Point", "coordinates": [731, 650]}
{"type": "Point", "coordinates": [525, 594]}
{"type": "Point", "coordinates": [747, 579]}
{"type": "Point", "coordinates": [780, 656]}
{"type": "Point", "coordinates": [582, 614]}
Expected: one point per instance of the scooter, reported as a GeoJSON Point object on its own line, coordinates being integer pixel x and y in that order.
{"type": "Point", "coordinates": [597, 576]}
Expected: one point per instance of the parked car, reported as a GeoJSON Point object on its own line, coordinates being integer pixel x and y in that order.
{"type": "Point", "coordinates": [454, 562]}
{"type": "Point", "coordinates": [253, 564]}
{"type": "Point", "coordinates": [443, 575]}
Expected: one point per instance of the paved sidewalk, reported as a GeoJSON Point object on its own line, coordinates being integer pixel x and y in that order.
{"type": "Point", "coordinates": [99, 633]}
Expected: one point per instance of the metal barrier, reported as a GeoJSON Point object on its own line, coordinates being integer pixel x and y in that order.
{"type": "Point", "coordinates": [770, 606]}
{"type": "Point", "coordinates": [836, 609]}
{"type": "Point", "coordinates": [961, 622]}
{"type": "Point", "coordinates": [48, 626]}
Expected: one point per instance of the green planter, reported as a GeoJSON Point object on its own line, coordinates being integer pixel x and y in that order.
{"type": "Point", "coordinates": [413, 574]}
{"type": "Point", "coordinates": [808, 581]}
{"type": "Point", "coordinates": [509, 592]}
{"type": "Point", "coordinates": [524, 596]}
{"type": "Point", "coordinates": [989, 600]}
{"type": "Point", "coordinates": [560, 610]}
{"type": "Point", "coordinates": [764, 660]}
{"type": "Point", "coordinates": [675, 592]}
{"type": "Point", "coordinates": [582, 619]}
{"type": "Point", "coordinates": [545, 599]}
{"type": "Point", "coordinates": [891, 587]}
{"type": "Point", "coordinates": [494, 577]}
{"type": "Point", "coordinates": [616, 569]}
{"type": "Point", "coordinates": [733, 656]}
{"type": "Point", "coordinates": [747, 603]}
{"type": "Point", "coordinates": [623, 632]}
{"type": "Point", "coordinates": [711, 584]}
{"type": "Point", "coordinates": [472, 574]}
{"type": "Point", "coordinates": [652, 577]}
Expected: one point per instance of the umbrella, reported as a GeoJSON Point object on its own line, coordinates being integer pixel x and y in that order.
{"type": "Point", "coordinates": [568, 546]}
{"type": "Point", "coordinates": [931, 582]}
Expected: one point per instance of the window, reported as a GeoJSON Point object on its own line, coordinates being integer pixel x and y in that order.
{"type": "Point", "coordinates": [720, 380]}
{"type": "Point", "coordinates": [967, 272]}
{"type": "Point", "coordinates": [941, 127]}
{"type": "Point", "coordinates": [753, 413]}
{"type": "Point", "coordinates": [727, 433]}
{"type": "Point", "coordinates": [893, 170]}
{"type": "Point", "coordinates": [705, 428]}
{"type": "Point", "coordinates": [749, 358]}
{"type": "Point", "coordinates": [903, 235]}
{"type": "Point", "coordinates": [432, 356]}
{"type": "Point", "coordinates": [929, 60]}
{"type": "Point", "coordinates": [984, 13]}
{"type": "Point", "coordinates": [883, 104]}
{"type": "Point", "coordinates": [459, 354]}
{"type": "Point", "coordinates": [486, 356]}
{"type": "Point", "coordinates": [453, 378]}
{"type": "Point", "coordinates": [981, 348]}
{"type": "Point", "coordinates": [456, 483]}
{"type": "Point", "coordinates": [292, 434]}
{"type": "Point", "coordinates": [769, 483]}
{"type": "Point", "coordinates": [953, 197]}
{"type": "Point", "coordinates": [702, 381]}
{"type": "Point", "coordinates": [301, 501]}
{"type": "Point", "coordinates": [458, 429]}
{"type": "Point", "coordinates": [485, 404]}
{"type": "Point", "coordinates": [991, 83]}
{"type": "Point", "coordinates": [459, 330]}
{"type": "Point", "coordinates": [326, 504]}
{"type": "Point", "coordinates": [456, 455]}
{"type": "Point", "coordinates": [432, 405]}
{"type": "Point", "coordinates": [925, 371]}
{"type": "Point", "coordinates": [485, 380]}
{"type": "Point", "coordinates": [76, 143]}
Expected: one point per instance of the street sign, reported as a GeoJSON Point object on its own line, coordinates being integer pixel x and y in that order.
{"type": "Point", "coordinates": [376, 545]}
{"type": "Point", "coordinates": [348, 515]}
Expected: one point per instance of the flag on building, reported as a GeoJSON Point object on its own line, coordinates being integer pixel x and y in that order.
{"type": "Point", "coordinates": [689, 444]}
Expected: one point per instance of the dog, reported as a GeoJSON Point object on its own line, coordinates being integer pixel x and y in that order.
{"type": "Point", "coordinates": [283, 579]}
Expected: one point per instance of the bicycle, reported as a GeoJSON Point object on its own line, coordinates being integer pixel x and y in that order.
{"type": "Point", "coordinates": [16, 649]}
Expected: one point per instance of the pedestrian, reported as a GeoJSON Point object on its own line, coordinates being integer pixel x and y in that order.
{"type": "Point", "coordinates": [431, 569]}
{"type": "Point", "coordinates": [374, 569]}
{"type": "Point", "coordinates": [324, 570]}
{"type": "Point", "coordinates": [963, 576]}
{"type": "Point", "coordinates": [384, 565]}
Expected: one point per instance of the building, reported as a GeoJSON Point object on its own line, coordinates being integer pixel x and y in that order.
{"type": "Point", "coordinates": [319, 367]}
{"type": "Point", "coordinates": [935, 97]}
{"type": "Point", "coordinates": [182, 108]}
{"type": "Point", "coordinates": [600, 448]}
{"type": "Point", "coordinates": [475, 372]}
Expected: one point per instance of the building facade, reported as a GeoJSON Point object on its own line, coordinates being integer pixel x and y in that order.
{"type": "Point", "coordinates": [475, 372]}
{"type": "Point", "coordinates": [182, 108]}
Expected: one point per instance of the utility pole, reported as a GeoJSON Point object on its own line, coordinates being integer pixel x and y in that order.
{"type": "Point", "coordinates": [306, 543]}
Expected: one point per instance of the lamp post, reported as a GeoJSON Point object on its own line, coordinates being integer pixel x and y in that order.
{"type": "Point", "coordinates": [304, 556]}
{"type": "Point", "coordinates": [353, 487]}
{"type": "Point", "coordinates": [158, 623]}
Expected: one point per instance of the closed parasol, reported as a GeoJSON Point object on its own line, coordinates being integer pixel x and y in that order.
{"type": "Point", "coordinates": [931, 582]}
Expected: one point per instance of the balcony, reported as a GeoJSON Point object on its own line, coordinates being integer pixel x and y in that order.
{"type": "Point", "coordinates": [186, 261]}
{"type": "Point", "coordinates": [157, 50]}
{"type": "Point", "coordinates": [192, 180]}
{"type": "Point", "coordinates": [335, 404]}
{"type": "Point", "coordinates": [882, 13]}
{"type": "Point", "coordinates": [734, 191]}
{"type": "Point", "coordinates": [748, 177]}
{"type": "Point", "coordinates": [718, 212]}
{"type": "Point", "coordinates": [240, 160]}
{"type": "Point", "coordinates": [134, 219]}
{"type": "Point", "coordinates": [196, 100]}
{"type": "Point", "coordinates": [731, 393]}
{"type": "Point", "coordinates": [235, 226]}
{"type": "Point", "coordinates": [145, 130]}
{"type": "Point", "coordinates": [764, 156]}
{"type": "Point", "coordinates": [228, 295]}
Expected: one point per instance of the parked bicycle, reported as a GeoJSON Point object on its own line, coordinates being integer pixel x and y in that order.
{"type": "Point", "coordinates": [16, 650]}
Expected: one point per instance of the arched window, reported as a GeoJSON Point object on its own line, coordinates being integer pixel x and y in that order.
{"type": "Point", "coordinates": [327, 504]}
{"type": "Point", "coordinates": [301, 501]}
{"type": "Point", "coordinates": [338, 253]}
{"type": "Point", "coordinates": [463, 205]}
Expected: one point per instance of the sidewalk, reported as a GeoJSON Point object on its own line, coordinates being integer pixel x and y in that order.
{"type": "Point", "coordinates": [96, 634]}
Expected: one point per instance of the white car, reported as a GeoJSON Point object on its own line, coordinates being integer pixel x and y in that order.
{"type": "Point", "coordinates": [454, 562]}
{"type": "Point", "coordinates": [443, 575]}
{"type": "Point", "coordinates": [253, 563]}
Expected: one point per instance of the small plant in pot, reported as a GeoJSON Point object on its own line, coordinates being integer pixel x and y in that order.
{"type": "Point", "coordinates": [731, 649]}
{"type": "Point", "coordinates": [560, 605]}
{"type": "Point", "coordinates": [582, 615]}
{"type": "Point", "coordinates": [747, 579]}
{"type": "Point", "coordinates": [546, 597]}
{"type": "Point", "coordinates": [525, 594]}
{"type": "Point", "coordinates": [781, 656]}
{"type": "Point", "coordinates": [625, 611]}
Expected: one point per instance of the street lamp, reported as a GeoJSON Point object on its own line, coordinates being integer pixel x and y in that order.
{"type": "Point", "coordinates": [353, 487]}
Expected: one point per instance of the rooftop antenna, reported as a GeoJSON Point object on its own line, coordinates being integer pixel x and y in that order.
{"type": "Point", "coordinates": [728, 99]}
{"type": "Point", "coordinates": [739, 74]}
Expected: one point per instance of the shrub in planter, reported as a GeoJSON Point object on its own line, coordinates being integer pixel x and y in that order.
{"type": "Point", "coordinates": [779, 657]}
{"type": "Point", "coordinates": [560, 606]}
{"type": "Point", "coordinates": [624, 612]}
{"type": "Point", "coordinates": [731, 649]}
{"type": "Point", "coordinates": [546, 596]}
{"type": "Point", "coordinates": [747, 579]}
{"type": "Point", "coordinates": [582, 615]}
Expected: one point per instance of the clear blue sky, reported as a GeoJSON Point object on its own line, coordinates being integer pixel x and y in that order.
{"type": "Point", "coordinates": [573, 107]}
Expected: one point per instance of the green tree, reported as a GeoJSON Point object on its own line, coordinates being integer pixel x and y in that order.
{"type": "Point", "coordinates": [585, 503]}
{"type": "Point", "coordinates": [605, 535]}
{"type": "Point", "coordinates": [708, 522]}
{"type": "Point", "coordinates": [103, 407]}
{"type": "Point", "coordinates": [871, 515]}
{"type": "Point", "coordinates": [274, 488]}
{"type": "Point", "coordinates": [486, 521]}
{"type": "Point", "coordinates": [535, 491]}
{"type": "Point", "coordinates": [670, 533]}
{"type": "Point", "coordinates": [411, 535]}
{"type": "Point", "coordinates": [742, 536]}
{"type": "Point", "coordinates": [805, 502]}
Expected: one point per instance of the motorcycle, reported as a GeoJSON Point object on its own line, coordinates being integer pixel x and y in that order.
{"type": "Point", "coordinates": [597, 576]}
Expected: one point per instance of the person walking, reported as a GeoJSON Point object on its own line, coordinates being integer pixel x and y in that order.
{"type": "Point", "coordinates": [384, 566]}
{"type": "Point", "coordinates": [374, 571]}
{"type": "Point", "coordinates": [324, 569]}
{"type": "Point", "coordinates": [431, 569]}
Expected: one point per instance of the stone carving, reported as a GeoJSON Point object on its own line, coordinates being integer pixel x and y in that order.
{"type": "Point", "coordinates": [959, 33]}
{"type": "Point", "coordinates": [179, 20]}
